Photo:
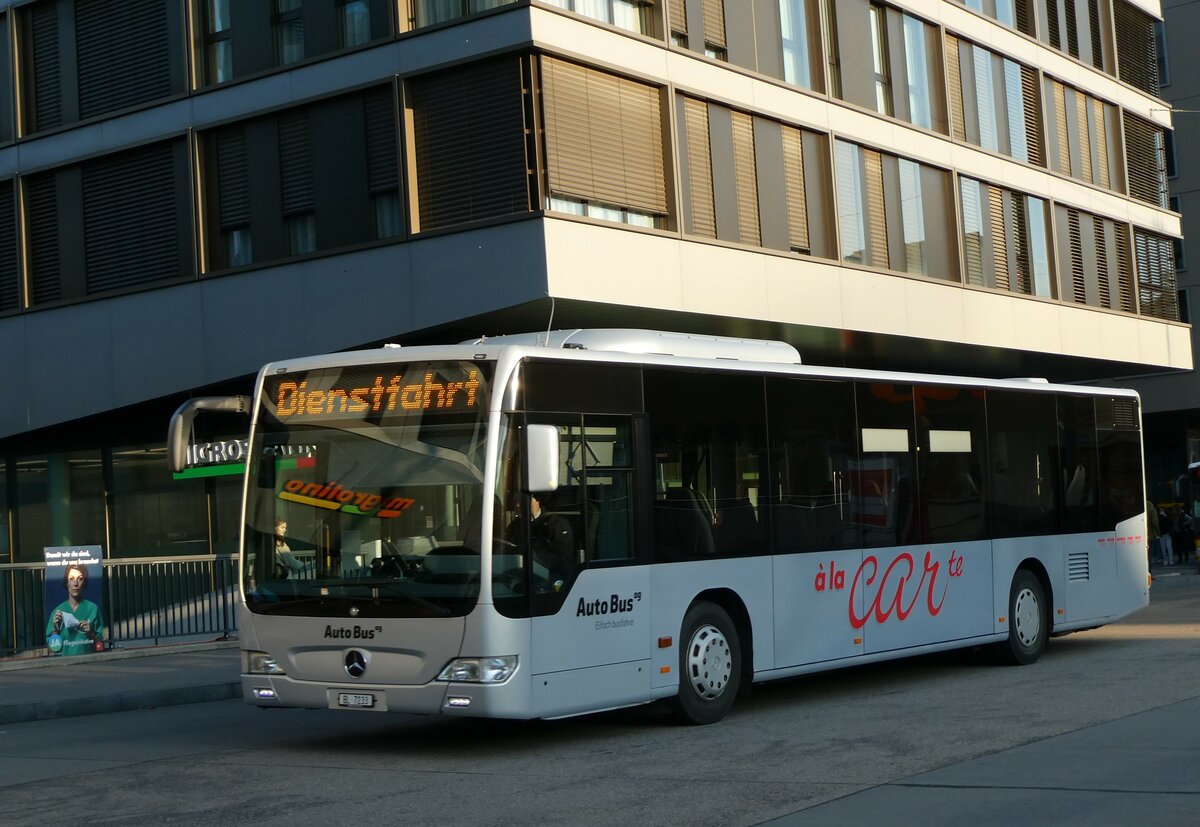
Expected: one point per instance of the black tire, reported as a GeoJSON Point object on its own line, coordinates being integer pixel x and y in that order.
{"type": "Point", "coordinates": [710, 665]}
{"type": "Point", "coordinates": [1028, 621]}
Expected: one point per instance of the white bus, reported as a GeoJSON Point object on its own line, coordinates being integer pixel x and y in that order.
{"type": "Point", "coordinates": [544, 525]}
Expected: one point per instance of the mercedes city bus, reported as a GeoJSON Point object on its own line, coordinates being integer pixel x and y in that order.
{"type": "Point", "coordinates": [543, 525]}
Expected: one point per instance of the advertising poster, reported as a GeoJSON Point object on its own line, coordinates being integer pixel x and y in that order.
{"type": "Point", "coordinates": [74, 600]}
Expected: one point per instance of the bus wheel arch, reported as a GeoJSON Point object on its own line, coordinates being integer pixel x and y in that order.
{"type": "Point", "coordinates": [1029, 616]}
{"type": "Point", "coordinates": [714, 635]}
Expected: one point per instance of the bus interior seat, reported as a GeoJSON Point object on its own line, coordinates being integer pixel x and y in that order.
{"type": "Point", "coordinates": [682, 526]}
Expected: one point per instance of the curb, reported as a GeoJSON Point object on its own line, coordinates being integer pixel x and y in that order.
{"type": "Point", "coordinates": [14, 664]}
{"type": "Point", "coordinates": [118, 702]}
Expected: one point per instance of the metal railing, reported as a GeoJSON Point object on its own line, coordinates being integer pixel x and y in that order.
{"type": "Point", "coordinates": [145, 601]}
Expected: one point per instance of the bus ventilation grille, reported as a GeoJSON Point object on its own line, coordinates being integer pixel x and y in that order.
{"type": "Point", "coordinates": [1078, 567]}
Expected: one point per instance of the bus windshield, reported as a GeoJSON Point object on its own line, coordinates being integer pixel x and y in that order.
{"type": "Point", "coordinates": [365, 491]}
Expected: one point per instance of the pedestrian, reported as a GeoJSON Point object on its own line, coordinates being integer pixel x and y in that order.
{"type": "Point", "coordinates": [1152, 530]}
{"type": "Point", "coordinates": [1186, 541]}
{"type": "Point", "coordinates": [1169, 526]}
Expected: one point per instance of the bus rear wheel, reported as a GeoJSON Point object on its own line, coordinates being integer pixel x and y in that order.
{"type": "Point", "coordinates": [710, 665]}
{"type": "Point", "coordinates": [1028, 621]}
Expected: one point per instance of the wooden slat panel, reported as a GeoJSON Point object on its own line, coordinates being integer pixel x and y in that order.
{"type": "Point", "coordinates": [1085, 141]}
{"type": "Point", "coordinates": [797, 197]}
{"type": "Point", "coordinates": [603, 138]}
{"type": "Point", "coordinates": [714, 22]}
{"type": "Point", "coordinates": [1103, 174]}
{"type": "Point", "coordinates": [954, 79]}
{"type": "Point", "coordinates": [1018, 221]}
{"type": "Point", "coordinates": [877, 232]}
{"type": "Point", "coordinates": [749, 231]}
{"type": "Point", "coordinates": [999, 237]}
{"type": "Point", "coordinates": [699, 157]}
{"type": "Point", "coordinates": [677, 9]}
{"type": "Point", "coordinates": [1060, 124]}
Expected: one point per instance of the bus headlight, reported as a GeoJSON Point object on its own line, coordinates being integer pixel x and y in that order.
{"type": "Point", "coordinates": [260, 663]}
{"type": "Point", "coordinates": [479, 670]}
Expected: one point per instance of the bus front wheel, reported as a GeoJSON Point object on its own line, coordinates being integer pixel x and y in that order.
{"type": "Point", "coordinates": [1028, 621]}
{"type": "Point", "coordinates": [710, 665]}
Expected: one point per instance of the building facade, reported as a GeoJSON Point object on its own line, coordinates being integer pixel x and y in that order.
{"type": "Point", "coordinates": [190, 188]}
{"type": "Point", "coordinates": [1172, 400]}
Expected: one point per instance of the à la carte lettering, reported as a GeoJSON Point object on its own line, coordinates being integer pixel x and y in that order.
{"type": "Point", "coordinates": [893, 595]}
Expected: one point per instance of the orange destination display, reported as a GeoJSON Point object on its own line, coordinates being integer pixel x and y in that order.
{"type": "Point", "coordinates": [377, 392]}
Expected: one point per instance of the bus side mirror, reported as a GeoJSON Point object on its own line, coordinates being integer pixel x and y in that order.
{"type": "Point", "coordinates": [181, 423]}
{"type": "Point", "coordinates": [541, 458]}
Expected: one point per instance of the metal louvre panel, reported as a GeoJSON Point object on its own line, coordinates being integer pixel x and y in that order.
{"type": "Point", "coordinates": [10, 274]}
{"type": "Point", "coordinates": [379, 115]}
{"type": "Point", "coordinates": [797, 196]}
{"type": "Point", "coordinates": [44, 282]}
{"type": "Point", "coordinates": [677, 9]}
{"type": "Point", "coordinates": [999, 237]}
{"type": "Point", "coordinates": [1018, 220]}
{"type": "Point", "coordinates": [130, 219]}
{"type": "Point", "coordinates": [123, 51]}
{"type": "Point", "coordinates": [1071, 23]}
{"type": "Point", "coordinates": [1124, 268]}
{"type": "Point", "coordinates": [1033, 116]}
{"type": "Point", "coordinates": [714, 22]}
{"type": "Point", "coordinates": [603, 137]}
{"type": "Point", "coordinates": [1094, 34]}
{"type": "Point", "coordinates": [1075, 240]}
{"type": "Point", "coordinates": [1145, 152]}
{"type": "Point", "coordinates": [1024, 17]}
{"type": "Point", "coordinates": [295, 163]}
{"type": "Point", "coordinates": [699, 160]}
{"type": "Point", "coordinates": [1157, 286]}
{"type": "Point", "coordinates": [1103, 229]}
{"type": "Point", "coordinates": [233, 177]}
{"type": "Point", "coordinates": [876, 215]}
{"type": "Point", "coordinates": [1137, 49]}
{"type": "Point", "coordinates": [749, 231]}
{"type": "Point", "coordinates": [1053, 29]}
{"type": "Point", "coordinates": [47, 87]}
{"type": "Point", "coordinates": [469, 137]}
{"type": "Point", "coordinates": [954, 79]}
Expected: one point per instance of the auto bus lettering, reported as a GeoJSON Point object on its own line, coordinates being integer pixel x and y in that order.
{"type": "Point", "coordinates": [896, 577]}
{"type": "Point", "coordinates": [356, 633]}
{"type": "Point", "coordinates": [614, 605]}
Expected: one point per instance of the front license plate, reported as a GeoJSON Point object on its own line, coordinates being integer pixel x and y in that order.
{"type": "Point", "coordinates": [363, 701]}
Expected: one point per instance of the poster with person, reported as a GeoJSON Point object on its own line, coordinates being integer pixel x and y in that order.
{"type": "Point", "coordinates": [75, 600]}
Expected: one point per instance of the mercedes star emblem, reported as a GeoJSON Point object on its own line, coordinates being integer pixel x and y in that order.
{"type": "Point", "coordinates": [356, 663]}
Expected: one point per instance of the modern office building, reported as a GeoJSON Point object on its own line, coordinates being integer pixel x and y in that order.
{"type": "Point", "coordinates": [190, 188]}
{"type": "Point", "coordinates": [1172, 399]}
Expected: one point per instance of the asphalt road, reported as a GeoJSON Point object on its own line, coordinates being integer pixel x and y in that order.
{"type": "Point", "coordinates": [1105, 728]}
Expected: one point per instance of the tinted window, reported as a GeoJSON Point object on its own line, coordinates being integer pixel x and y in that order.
{"type": "Point", "coordinates": [950, 435]}
{"type": "Point", "coordinates": [813, 452]}
{"type": "Point", "coordinates": [1023, 446]}
{"type": "Point", "coordinates": [707, 433]}
{"type": "Point", "coordinates": [883, 484]}
{"type": "Point", "coordinates": [1119, 443]}
{"type": "Point", "coordinates": [1080, 463]}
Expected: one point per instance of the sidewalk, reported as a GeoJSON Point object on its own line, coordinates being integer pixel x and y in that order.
{"type": "Point", "coordinates": [34, 689]}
